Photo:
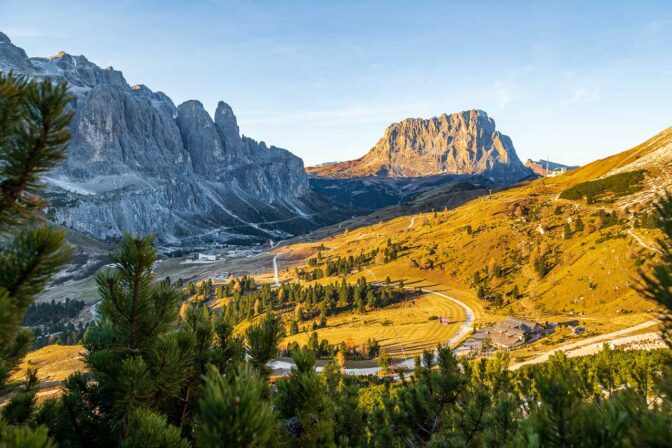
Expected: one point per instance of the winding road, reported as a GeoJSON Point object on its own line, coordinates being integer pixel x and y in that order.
{"type": "Point", "coordinates": [408, 364]}
{"type": "Point", "coordinates": [464, 329]}
{"type": "Point", "coordinates": [468, 323]}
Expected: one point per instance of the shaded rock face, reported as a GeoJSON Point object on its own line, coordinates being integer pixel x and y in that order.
{"type": "Point", "coordinates": [138, 163]}
{"type": "Point", "coordinates": [460, 143]}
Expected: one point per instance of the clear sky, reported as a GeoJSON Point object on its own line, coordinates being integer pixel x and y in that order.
{"type": "Point", "coordinates": [569, 80]}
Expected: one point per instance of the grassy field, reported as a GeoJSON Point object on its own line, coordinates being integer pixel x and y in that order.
{"type": "Point", "coordinates": [402, 329]}
{"type": "Point", "coordinates": [54, 363]}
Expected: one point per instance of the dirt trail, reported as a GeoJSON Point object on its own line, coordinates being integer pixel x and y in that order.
{"type": "Point", "coordinates": [585, 342]}
{"type": "Point", "coordinates": [641, 242]}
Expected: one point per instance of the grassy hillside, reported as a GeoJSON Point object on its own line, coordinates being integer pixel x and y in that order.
{"type": "Point", "coordinates": [524, 250]}
{"type": "Point", "coordinates": [53, 363]}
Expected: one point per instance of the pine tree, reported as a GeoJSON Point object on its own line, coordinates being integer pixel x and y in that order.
{"type": "Point", "coordinates": [566, 231]}
{"type": "Point", "coordinates": [24, 437]}
{"type": "Point", "coordinates": [262, 343]}
{"type": "Point", "coordinates": [139, 363]}
{"type": "Point", "coordinates": [33, 136]}
{"type": "Point", "coordinates": [384, 361]}
{"type": "Point", "coordinates": [136, 309]}
{"type": "Point", "coordinates": [151, 430]}
{"type": "Point", "coordinates": [657, 286]}
{"type": "Point", "coordinates": [306, 411]}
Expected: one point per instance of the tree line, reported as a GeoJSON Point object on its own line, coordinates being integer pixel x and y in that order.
{"type": "Point", "coordinates": [52, 322]}
{"type": "Point", "coordinates": [315, 301]}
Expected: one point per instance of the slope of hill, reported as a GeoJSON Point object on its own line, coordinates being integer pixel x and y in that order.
{"type": "Point", "coordinates": [460, 143]}
{"type": "Point", "coordinates": [525, 250]}
{"type": "Point", "coordinates": [138, 163]}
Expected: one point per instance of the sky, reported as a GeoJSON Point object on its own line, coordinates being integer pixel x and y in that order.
{"type": "Point", "coordinates": [572, 81]}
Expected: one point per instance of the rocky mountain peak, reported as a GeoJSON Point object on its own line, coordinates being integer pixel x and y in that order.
{"type": "Point", "coordinates": [225, 117]}
{"type": "Point", "coordinates": [227, 124]}
{"type": "Point", "coordinates": [60, 55]}
{"type": "Point", "coordinates": [461, 143]}
{"type": "Point", "coordinates": [13, 58]}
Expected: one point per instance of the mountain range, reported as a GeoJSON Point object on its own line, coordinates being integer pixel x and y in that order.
{"type": "Point", "coordinates": [138, 163]}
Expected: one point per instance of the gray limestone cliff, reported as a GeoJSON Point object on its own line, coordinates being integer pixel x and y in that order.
{"type": "Point", "coordinates": [138, 163]}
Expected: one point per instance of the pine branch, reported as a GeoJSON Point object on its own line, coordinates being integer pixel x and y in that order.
{"type": "Point", "coordinates": [34, 256]}
{"type": "Point", "coordinates": [38, 124]}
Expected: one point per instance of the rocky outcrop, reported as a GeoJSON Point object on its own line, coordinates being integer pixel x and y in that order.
{"type": "Point", "coordinates": [138, 163]}
{"type": "Point", "coordinates": [546, 167]}
{"type": "Point", "coordinates": [464, 143]}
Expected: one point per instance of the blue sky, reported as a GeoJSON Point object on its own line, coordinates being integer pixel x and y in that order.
{"type": "Point", "coordinates": [571, 81]}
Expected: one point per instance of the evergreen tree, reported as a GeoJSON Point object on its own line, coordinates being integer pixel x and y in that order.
{"type": "Point", "coordinates": [150, 430]}
{"type": "Point", "coordinates": [566, 231]}
{"type": "Point", "coordinates": [136, 310]}
{"type": "Point", "coordinates": [33, 136]}
{"type": "Point", "coordinates": [657, 286]}
{"type": "Point", "coordinates": [262, 343]}
{"type": "Point", "coordinates": [384, 361]}
{"type": "Point", "coordinates": [138, 362]}
{"type": "Point", "coordinates": [305, 410]}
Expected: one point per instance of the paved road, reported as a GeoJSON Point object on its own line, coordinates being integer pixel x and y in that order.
{"type": "Point", "coordinates": [468, 323]}
{"type": "Point", "coordinates": [275, 268]}
{"type": "Point", "coordinates": [464, 329]}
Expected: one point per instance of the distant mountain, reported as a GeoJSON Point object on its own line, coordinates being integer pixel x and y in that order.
{"type": "Point", "coordinates": [546, 167]}
{"type": "Point", "coordinates": [464, 143]}
{"type": "Point", "coordinates": [318, 165]}
{"type": "Point", "coordinates": [138, 163]}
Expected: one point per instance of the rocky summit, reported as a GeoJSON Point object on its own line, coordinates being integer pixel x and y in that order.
{"type": "Point", "coordinates": [138, 163]}
{"type": "Point", "coordinates": [464, 143]}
